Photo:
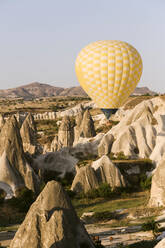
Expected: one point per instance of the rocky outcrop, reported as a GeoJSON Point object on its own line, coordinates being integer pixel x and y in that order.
{"type": "Point", "coordinates": [135, 134]}
{"type": "Point", "coordinates": [2, 121]}
{"type": "Point", "coordinates": [10, 178]}
{"type": "Point", "coordinates": [84, 126]}
{"type": "Point", "coordinates": [159, 149]}
{"type": "Point", "coordinates": [88, 125]}
{"type": "Point", "coordinates": [161, 244]}
{"type": "Point", "coordinates": [105, 145]}
{"type": "Point", "coordinates": [157, 196]}
{"type": "Point", "coordinates": [65, 133]}
{"type": "Point", "coordinates": [107, 172]}
{"type": "Point", "coordinates": [85, 180]}
{"type": "Point", "coordinates": [71, 112]}
{"type": "Point", "coordinates": [52, 222]}
{"type": "Point", "coordinates": [15, 171]}
{"type": "Point", "coordinates": [45, 116]}
{"type": "Point", "coordinates": [77, 129]}
{"type": "Point", "coordinates": [28, 133]}
{"type": "Point", "coordinates": [54, 145]}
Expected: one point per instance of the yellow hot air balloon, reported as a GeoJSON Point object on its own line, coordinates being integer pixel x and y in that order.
{"type": "Point", "coordinates": [109, 72]}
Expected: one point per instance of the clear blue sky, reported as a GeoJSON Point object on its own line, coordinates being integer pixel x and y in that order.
{"type": "Point", "coordinates": [40, 39]}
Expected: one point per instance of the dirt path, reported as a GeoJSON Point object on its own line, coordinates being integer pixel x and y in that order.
{"type": "Point", "coordinates": [110, 237]}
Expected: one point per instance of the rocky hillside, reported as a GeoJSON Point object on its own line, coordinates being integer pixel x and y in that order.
{"type": "Point", "coordinates": [35, 90]}
{"type": "Point", "coordinates": [143, 91]}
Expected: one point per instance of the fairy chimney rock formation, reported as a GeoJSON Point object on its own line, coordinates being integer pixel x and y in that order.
{"type": "Point", "coordinates": [15, 172]}
{"type": "Point", "coordinates": [77, 128]}
{"type": "Point", "coordinates": [28, 134]}
{"type": "Point", "coordinates": [105, 145]}
{"type": "Point", "coordinates": [52, 222]}
{"type": "Point", "coordinates": [85, 180]}
{"type": "Point", "coordinates": [88, 125]}
{"type": "Point", "coordinates": [66, 133]}
{"type": "Point", "coordinates": [2, 121]}
{"type": "Point", "coordinates": [107, 172]}
{"type": "Point", "coordinates": [157, 197]}
{"type": "Point", "coordinates": [84, 126]}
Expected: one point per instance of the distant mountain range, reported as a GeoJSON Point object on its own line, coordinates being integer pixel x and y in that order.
{"type": "Point", "coordinates": [37, 90]}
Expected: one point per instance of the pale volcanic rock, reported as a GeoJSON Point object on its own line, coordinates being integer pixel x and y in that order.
{"type": "Point", "coordinates": [2, 121]}
{"type": "Point", "coordinates": [161, 244]}
{"type": "Point", "coordinates": [28, 133]}
{"type": "Point", "coordinates": [52, 222]}
{"type": "Point", "coordinates": [140, 111]}
{"type": "Point", "coordinates": [125, 142]}
{"type": "Point", "coordinates": [77, 129]}
{"type": "Point", "coordinates": [85, 180]}
{"type": "Point", "coordinates": [70, 112]}
{"type": "Point", "coordinates": [54, 144]}
{"type": "Point", "coordinates": [88, 125]}
{"type": "Point", "coordinates": [105, 145]}
{"type": "Point", "coordinates": [159, 149]}
{"type": "Point", "coordinates": [10, 178]}
{"type": "Point", "coordinates": [157, 195]}
{"type": "Point", "coordinates": [107, 172]}
{"type": "Point", "coordinates": [136, 132]}
{"type": "Point", "coordinates": [145, 136]}
{"type": "Point", "coordinates": [66, 133]}
{"type": "Point", "coordinates": [13, 158]}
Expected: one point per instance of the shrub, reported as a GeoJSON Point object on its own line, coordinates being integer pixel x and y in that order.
{"type": "Point", "coordinates": [145, 182]}
{"type": "Point", "coordinates": [67, 180]}
{"type": "Point", "coordinates": [104, 190]}
{"type": "Point", "coordinates": [24, 200]}
{"type": "Point", "coordinates": [106, 215]}
{"type": "Point", "coordinates": [151, 225]}
{"type": "Point", "coordinates": [121, 156]}
{"type": "Point", "coordinates": [71, 193]}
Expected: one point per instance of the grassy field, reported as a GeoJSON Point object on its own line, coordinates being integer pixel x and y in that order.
{"type": "Point", "coordinates": [133, 200]}
{"type": "Point", "coordinates": [41, 105]}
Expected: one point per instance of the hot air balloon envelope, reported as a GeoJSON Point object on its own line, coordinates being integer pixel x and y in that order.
{"type": "Point", "coordinates": [109, 72]}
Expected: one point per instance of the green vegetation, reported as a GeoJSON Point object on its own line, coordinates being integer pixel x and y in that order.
{"type": "Point", "coordinates": [97, 205]}
{"type": "Point", "coordinates": [118, 156]}
{"type": "Point", "coordinates": [143, 244]}
{"type": "Point", "coordinates": [47, 126]}
{"type": "Point", "coordinates": [151, 225]}
{"type": "Point", "coordinates": [105, 191]}
{"type": "Point", "coordinates": [145, 182]}
{"type": "Point", "coordinates": [107, 127]}
{"type": "Point", "coordinates": [24, 200]}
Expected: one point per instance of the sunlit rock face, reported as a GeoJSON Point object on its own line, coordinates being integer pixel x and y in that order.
{"type": "Point", "coordinates": [161, 244]}
{"type": "Point", "coordinates": [159, 149]}
{"type": "Point", "coordinates": [88, 125]}
{"type": "Point", "coordinates": [2, 121]}
{"type": "Point", "coordinates": [104, 148]}
{"type": "Point", "coordinates": [29, 135]}
{"type": "Point", "coordinates": [52, 222]}
{"type": "Point", "coordinates": [84, 126]}
{"type": "Point", "coordinates": [135, 134]}
{"type": "Point", "coordinates": [15, 171]}
{"type": "Point", "coordinates": [85, 180]}
{"type": "Point", "coordinates": [157, 195]}
{"type": "Point", "coordinates": [65, 133]}
{"type": "Point", "coordinates": [107, 172]}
